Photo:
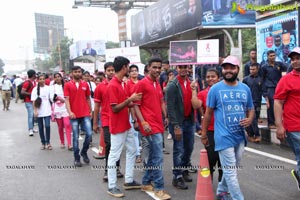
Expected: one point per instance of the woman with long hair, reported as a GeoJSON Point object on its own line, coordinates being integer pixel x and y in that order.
{"type": "Point", "coordinates": [42, 110]}
{"type": "Point", "coordinates": [60, 111]}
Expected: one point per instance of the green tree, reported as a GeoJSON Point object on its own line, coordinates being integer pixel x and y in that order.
{"type": "Point", "coordinates": [44, 65]}
{"type": "Point", "coordinates": [112, 45]}
{"type": "Point", "coordinates": [62, 50]}
{"type": "Point", "coordinates": [2, 64]}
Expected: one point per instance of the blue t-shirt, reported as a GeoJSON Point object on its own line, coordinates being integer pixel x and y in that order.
{"type": "Point", "coordinates": [230, 104]}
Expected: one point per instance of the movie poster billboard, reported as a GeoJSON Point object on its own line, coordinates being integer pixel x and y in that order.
{"type": "Point", "coordinates": [189, 52]}
{"type": "Point", "coordinates": [228, 13]}
{"type": "Point", "coordinates": [163, 19]}
{"type": "Point", "coordinates": [279, 33]}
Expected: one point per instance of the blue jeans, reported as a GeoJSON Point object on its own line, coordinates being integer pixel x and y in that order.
{"type": "Point", "coordinates": [41, 120]}
{"type": "Point", "coordinates": [29, 107]}
{"type": "Point", "coordinates": [86, 123]}
{"type": "Point", "coordinates": [154, 171]}
{"type": "Point", "coordinates": [183, 149]}
{"type": "Point", "coordinates": [230, 159]}
{"type": "Point", "coordinates": [293, 138]}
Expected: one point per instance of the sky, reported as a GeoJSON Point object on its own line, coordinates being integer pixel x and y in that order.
{"type": "Point", "coordinates": [85, 23]}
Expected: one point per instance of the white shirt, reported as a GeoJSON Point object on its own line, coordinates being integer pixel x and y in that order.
{"type": "Point", "coordinates": [5, 84]}
{"type": "Point", "coordinates": [58, 106]}
{"type": "Point", "coordinates": [45, 109]}
{"type": "Point", "coordinates": [17, 81]}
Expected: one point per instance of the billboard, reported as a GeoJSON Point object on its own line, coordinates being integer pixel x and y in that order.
{"type": "Point", "coordinates": [132, 53]}
{"type": "Point", "coordinates": [49, 31]}
{"type": "Point", "coordinates": [87, 47]}
{"type": "Point", "coordinates": [189, 52]}
{"type": "Point", "coordinates": [279, 33]}
{"type": "Point", "coordinates": [163, 19]}
{"type": "Point", "coordinates": [228, 13]}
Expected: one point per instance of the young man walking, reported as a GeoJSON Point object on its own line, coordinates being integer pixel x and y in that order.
{"type": "Point", "coordinates": [149, 114]}
{"type": "Point", "coordinates": [287, 109]}
{"type": "Point", "coordinates": [120, 129]}
{"type": "Point", "coordinates": [78, 103]}
{"type": "Point", "coordinates": [231, 103]}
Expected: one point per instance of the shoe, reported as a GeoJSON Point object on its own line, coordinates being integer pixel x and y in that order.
{"type": "Point", "coordinates": [296, 177]}
{"type": "Point", "coordinates": [179, 183]}
{"type": "Point", "coordinates": [35, 131]}
{"type": "Point", "coordinates": [49, 147]}
{"type": "Point", "coordinates": [115, 192]}
{"type": "Point", "coordinates": [132, 185]}
{"type": "Point", "coordinates": [272, 127]}
{"type": "Point", "coordinates": [165, 151]}
{"type": "Point", "coordinates": [147, 188]}
{"type": "Point", "coordinates": [169, 137]}
{"type": "Point", "coordinates": [162, 195]}
{"type": "Point", "coordinates": [105, 177]}
{"type": "Point", "coordinates": [251, 139]}
{"type": "Point", "coordinates": [223, 196]}
{"type": "Point", "coordinates": [85, 158]}
{"type": "Point", "coordinates": [119, 174]}
{"type": "Point", "coordinates": [62, 146]}
{"type": "Point", "coordinates": [70, 148]}
{"type": "Point", "coordinates": [187, 177]}
{"type": "Point", "coordinates": [138, 159]}
{"type": "Point", "coordinates": [77, 163]}
{"type": "Point", "coordinates": [30, 132]}
{"type": "Point", "coordinates": [257, 139]}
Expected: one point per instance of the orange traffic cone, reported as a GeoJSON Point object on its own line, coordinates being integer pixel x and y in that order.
{"type": "Point", "coordinates": [204, 189]}
{"type": "Point", "coordinates": [101, 151]}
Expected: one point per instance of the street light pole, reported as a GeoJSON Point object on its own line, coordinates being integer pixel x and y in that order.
{"type": "Point", "coordinates": [59, 49]}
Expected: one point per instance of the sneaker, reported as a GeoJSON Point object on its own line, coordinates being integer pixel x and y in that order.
{"type": "Point", "coordinates": [179, 183]}
{"type": "Point", "coordinates": [35, 130]}
{"type": "Point", "coordinates": [162, 195]}
{"type": "Point", "coordinates": [147, 188]}
{"type": "Point", "coordinates": [30, 132]}
{"type": "Point", "coordinates": [105, 177]}
{"type": "Point", "coordinates": [85, 158]}
{"type": "Point", "coordinates": [119, 174]}
{"type": "Point", "coordinates": [169, 137]}
{"type": "Point", "coordinates": [115, 192]}
{"type": "Point", "coordinates": [132, 185]}
{"type": "Point", "coordinates": [296, 177]}
{"type": "Point", "coordinates": [186, 176]}
{"type": "Point", "coordinates": [77, 163]}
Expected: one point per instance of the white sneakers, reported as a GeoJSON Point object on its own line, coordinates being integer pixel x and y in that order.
{"type": "Point", "coordinates": [30, 132]}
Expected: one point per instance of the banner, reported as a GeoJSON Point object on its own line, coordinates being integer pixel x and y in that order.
{"type": "Point", "coordinates": [189, 52]}
{"type": "Point", "coordinates": [279, 33]}
{"type": "Point", "coordinates": [132, 53]}
{"type": "Point", "coordinates": [87, 47]}
{"type": "Point", "coordinates": [165, 18]}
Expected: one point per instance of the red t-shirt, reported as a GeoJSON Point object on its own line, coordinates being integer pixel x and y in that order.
{"type": "Point", "coordinates": [288, 89]}
{"type": "Point", "coordinates": [47, 81]}
{"type": "Point", "coordinates": [118, 122]}
{"type": "Point", "coordinates": [150, 104]}
{"type": "Point", "coordinates": [77, 98]}
{"type": "Point", "coordinates": [101, 97]}
{"type": "Point", "coordinates": [187, 95]}
{"type": "Point", "coordinates": [130, 87]}
{"type": "Point", "coordinates": [28, 88]}
{"type": "Point", "coordinates": [202, 95]}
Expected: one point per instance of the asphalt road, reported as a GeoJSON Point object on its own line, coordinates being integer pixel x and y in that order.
{"type": "Point", "coordinates": [28, 173]}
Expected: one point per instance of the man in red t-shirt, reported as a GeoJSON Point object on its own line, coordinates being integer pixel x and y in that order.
{"type": "Point", "coordinates": [287, 109]}
{"type": "Point", "coordinates": [78, 104]}
{"type": "Point", "coordinates": [101, 100]}
{"type": "Point", "coordinates": [149, 114]}
{"type": "Point", "coordinates": [120, 129]}
{"type": "Point", "coordinates": [26, 90]}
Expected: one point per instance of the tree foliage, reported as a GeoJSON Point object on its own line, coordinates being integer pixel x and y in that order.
{"type": "Point", "coordinates": [62, 50]}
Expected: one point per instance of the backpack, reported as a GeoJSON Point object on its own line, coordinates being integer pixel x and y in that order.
{"type": "Point", "coordinates": [19, 89]}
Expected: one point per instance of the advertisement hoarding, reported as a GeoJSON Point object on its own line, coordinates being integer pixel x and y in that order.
{"type": "Point", "coordinates": [132, 53]}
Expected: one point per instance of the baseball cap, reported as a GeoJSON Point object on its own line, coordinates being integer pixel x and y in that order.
{"type": "Point", "coordinates": [231, 60]}
{"type": "Point", "coordinates": [295, 50]}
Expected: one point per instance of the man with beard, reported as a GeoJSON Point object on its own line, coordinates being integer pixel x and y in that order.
{"type": "Point", "coordinates": [287, 109]}
{"type": "Point", "coordinates": [231, 103]}
{"type": "Point", "coordinates": [149, 114]}
{"type": "Point", "coordinates": [78, 103]}
{"type": "Point", "coordinates": [181, 126]}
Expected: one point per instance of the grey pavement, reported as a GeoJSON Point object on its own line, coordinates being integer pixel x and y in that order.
{"type": "Point", "coordinates": [26, 172]}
